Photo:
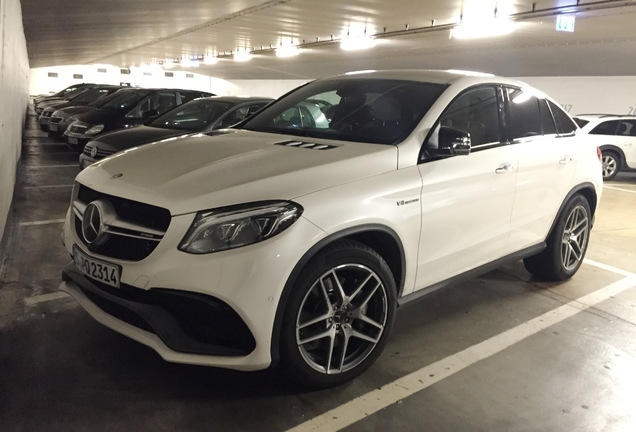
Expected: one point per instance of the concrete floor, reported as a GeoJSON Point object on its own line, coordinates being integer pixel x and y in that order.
{"type": "Point", "coordinates": [499, 353]}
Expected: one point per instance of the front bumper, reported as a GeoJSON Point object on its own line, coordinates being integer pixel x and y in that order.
{"type": "Point", "coordinates": [183, 322]}
{"type": "Point", "coordinates": [247, 281]}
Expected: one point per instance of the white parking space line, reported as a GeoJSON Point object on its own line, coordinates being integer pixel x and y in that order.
{"type": "Point", "coordinates": [372, 402]}
{"type": "Point", "coordinates": [42, 298]}
{"type": "Point", "coordinates": [619, 189]}
{"type": "Point", "coordinates": [48, 186]}
{"type": "Point", "coordinates": [52, 166]}
{"type": "Point", "coordinates": [44, 222]}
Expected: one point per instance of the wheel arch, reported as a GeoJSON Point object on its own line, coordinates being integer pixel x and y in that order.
{"type": "Point", "coordinates": [614, 149]}
{"type": "Point", "coordinates": [588, 192]}
{"type": "Point", "coordinates": [380, 238]}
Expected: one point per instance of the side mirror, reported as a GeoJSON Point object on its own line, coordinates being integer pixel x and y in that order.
{"type": "Point", "coordinates": [453, 142]}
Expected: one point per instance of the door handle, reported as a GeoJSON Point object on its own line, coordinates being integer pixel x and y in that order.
{"type": "Point", "coordinates": [504, 168]}
{"type": "Point", "coordinates": [565, 160]}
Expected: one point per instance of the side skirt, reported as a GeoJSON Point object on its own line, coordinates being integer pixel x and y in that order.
{"type": "Point", "coordinates": [425, 292]}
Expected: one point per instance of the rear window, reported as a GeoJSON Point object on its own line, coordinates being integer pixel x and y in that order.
{"type": "Point", "coordinates": [581, 122]}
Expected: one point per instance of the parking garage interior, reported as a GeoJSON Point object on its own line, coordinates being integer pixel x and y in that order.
{"type": "Point", "coordinates": [500, 352]}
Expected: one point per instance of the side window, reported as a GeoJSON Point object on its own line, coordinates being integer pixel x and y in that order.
{"type": "Point", "coordinates": [605, 128]}
{"type": "Point", "coordinates": [547, 122]}
{"type": "Point", "coordinates": [564, 124]}
{"type": "Point", "coordinates": [525, 117]}
{"type": "Point", "coordinates": [476, 112]}
{"type": "Point", "coordinates": [626, 128]}
{"type": "Point", "coordinates": [234, 117]}
{"type": "Point", "coordinates": [165, 101]}
{"type": "Point", "coordinates": [153, 105]}
{"type": "Point", "coordinates": [188, 96]}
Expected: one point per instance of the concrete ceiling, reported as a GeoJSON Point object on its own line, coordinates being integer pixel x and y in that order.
{"type": "Point", "coordinates": [410, 34]}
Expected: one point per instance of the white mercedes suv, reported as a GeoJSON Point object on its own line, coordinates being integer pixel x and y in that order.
{"type": "Point", "coordinates": [291, 239]}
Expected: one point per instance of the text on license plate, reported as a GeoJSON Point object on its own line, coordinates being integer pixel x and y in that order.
{"type": "Point", "coordinates": [97, 269]}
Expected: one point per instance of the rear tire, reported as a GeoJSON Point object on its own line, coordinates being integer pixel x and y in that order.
{"type": "Point", "coordinates": [338, 317]}
{"type": "Point", "coordinates": [611, 164]}
{"type": "Point", "coordinates": [566, 245]}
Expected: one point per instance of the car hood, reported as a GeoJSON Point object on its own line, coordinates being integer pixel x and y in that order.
{"type": "Point", "coordinates": [198, 172]}
{"type": "Point", "coordinates": [75, 110]}
{"type": "Point", "coordinates": [98, 116]}
{"type": "Point", "coordinates": [123, 139]}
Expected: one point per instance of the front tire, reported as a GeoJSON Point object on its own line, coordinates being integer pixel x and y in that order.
{"type": "Point", "coordinates": [566, 245]}
{"type": "Point", "coordinates": [338, 316]}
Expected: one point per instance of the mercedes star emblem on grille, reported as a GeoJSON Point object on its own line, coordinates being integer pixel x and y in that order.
{"type": "Point", "coordinates": [94, 151]}
{"type": "Point", "coordinates": [94, 229]}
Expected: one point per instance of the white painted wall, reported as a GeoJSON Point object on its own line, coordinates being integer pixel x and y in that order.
{"type": "Point", "coordinates": [14, 82]}
{"type": "Point", "coordinates": [51, 79]}
{"type": "Point", "coordinates": [590, 95]}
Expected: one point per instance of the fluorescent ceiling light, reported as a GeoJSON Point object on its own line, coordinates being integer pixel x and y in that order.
{"type": "Point", "coordinates": [352, 44]}
{"type": "Point", "coordinates": [210, 60]}
{"type": "Point", "coordinates": [287, 51]}
{"type": "Point", "coordinates": [483, 29]}
{"type": "Point", "coordinates": [242, 56]}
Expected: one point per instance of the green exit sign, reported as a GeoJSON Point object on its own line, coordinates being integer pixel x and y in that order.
{"type": "Point", "coordinates": [565, 23]}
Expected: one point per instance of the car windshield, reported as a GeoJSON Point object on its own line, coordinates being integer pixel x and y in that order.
{"type": "Point", "coordinates": [105, 99]}
{"type": "Point", "coordinates": [192, 116]}
{"type": "Point", "coordinates": [90, 95]}
{"type": "Point", "coordinates": [381, 111]}
{"type": "Point", "coordinates": [126, 100]}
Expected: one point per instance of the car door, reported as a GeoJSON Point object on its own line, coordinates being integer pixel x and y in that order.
{"type": "Point", "coordinates": [626, 140]}
{"type": "Point", "coordinates": [466, 200]}
{"type": "Point", "coordinates": [542, 136]}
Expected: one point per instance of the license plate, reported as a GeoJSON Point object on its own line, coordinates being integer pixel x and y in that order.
{"type": "Point", "coordinates": [72, 140]}
{"type": "Point", "coordinates": [97, 269]}
{"type": "Point", "coordinates": [53, 127]}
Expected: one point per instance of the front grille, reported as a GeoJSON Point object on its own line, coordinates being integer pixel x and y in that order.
{"type": "Point", "coordinates": [100, 153]}
{"type": "Point", "coordinates": [55, 119]}
{"type": "Point", "coordinates": [122, 245]}
{"type": "Point", "coordinates": [78, 129]}
{"type": "Point", "coordinates": [46, 113]}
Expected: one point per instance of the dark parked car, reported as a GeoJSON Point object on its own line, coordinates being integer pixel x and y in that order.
{"type": "Point", "coordinates": [131, 108]}
{"type": "Point", "coordinates": [81, 99]}
{"type": "Point", "coordinates": [62, 118]}
{"type": "Point", "coordinates": [200, 115]}
{"type": "Point", "coordinates": [60, 94]}
{"type": "Point", "coordinates": [40, 106]}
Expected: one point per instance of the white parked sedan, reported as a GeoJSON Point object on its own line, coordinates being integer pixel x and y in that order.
{"type": "Point", "coordinates": [616, 137]}
{"type": "Point", "coordinates": [292, 238]}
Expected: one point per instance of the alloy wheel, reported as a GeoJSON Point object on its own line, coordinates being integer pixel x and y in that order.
{"type": "Point", "coordinates": [575, 237]}
{"type": "Point", "coordinates": [341, 318]}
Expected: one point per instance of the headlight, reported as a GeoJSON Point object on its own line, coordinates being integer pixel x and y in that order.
{"type": "Point", "coordinates": [95, 129]}
{"type": "Point", "coordinates": [231, 227]}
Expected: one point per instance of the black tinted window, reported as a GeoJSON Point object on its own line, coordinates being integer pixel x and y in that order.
{"type": "Point", "coordinates": [547, 122]}
{"type": "Point", "coordinates": [476, 112]}
{"type": "Point", "coordinates": [605, 128]}
{"type": "Point", "coordinates": [565, 125]}
{"type": "Point", "coordinates": [581, 122]}
{"type": "Point", "coordinates": [525, 117]}
{"type": "Point", "coordinates": [626, 128]}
